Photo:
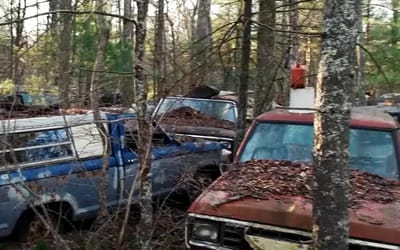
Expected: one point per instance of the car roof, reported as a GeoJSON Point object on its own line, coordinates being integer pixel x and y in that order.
{"type": "Point", "coordinates": [26, 124]}
{"type": "Point", "coordinates": [364, 117]}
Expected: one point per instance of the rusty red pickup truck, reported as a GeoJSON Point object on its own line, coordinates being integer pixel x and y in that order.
{"type": "Point", "coordinates": [264, 200]}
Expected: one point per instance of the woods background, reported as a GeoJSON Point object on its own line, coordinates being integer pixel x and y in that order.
{"type": "Point", "coordinates": [51, 45]}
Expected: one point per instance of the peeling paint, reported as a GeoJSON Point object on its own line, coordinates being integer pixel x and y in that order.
{"type": "Point", "coordinates": [19, 194]}
{"type": "Point", "coordinates": [44, 174]}
{"type": "Point", "coordinates": [76, 182]}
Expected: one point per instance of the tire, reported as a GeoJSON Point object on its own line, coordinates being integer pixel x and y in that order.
{"type": "Point", "coordinates": [30, 227]}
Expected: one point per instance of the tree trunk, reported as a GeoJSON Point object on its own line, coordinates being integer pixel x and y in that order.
{"type": "Point", "coordinates": [360, 57]}
{"type": "Point", "coordinates": [244, 73]}
{"type": "Point", "coordinates": [173, 57]}
{"type": "Point", "coordinates": [203, 43]}
{"type": "Point", "coordinates": [331, 132]}
{"type": "Point", "coordinates": [264, 90]}
{"type": "Point", "coordinates": [193, 50]}
{"type": "Point", "coordinates": [103, 36]}
{"type": "Point", "coordinates": [145, 225]}
{"type": "Point", "coordinates": [159, 52]}
{"type": "Point", "coordinates": [236, 55]}
{"type": "Point", "coordinates": [127, 25]}
{"type": "Point", "coordinates": [395, 22]}
{"type": "Point", "coordinates": [64, 54]}
{"type": "Point", "coordinates": [293, 37]}
{"type": "Point", "coordinates": [283, 73]}
{"type": "Point", "coordinates": [367, 20]}
{"type": "Point", "coordinates": [18, 67]}
{"type": "Point", "coordinates": [127, 93]}
{"type": "Point", "coordinates": [53, 4]}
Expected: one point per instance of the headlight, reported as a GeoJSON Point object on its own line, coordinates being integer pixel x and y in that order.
{"type": "Point", "coordinates": [205, 231]}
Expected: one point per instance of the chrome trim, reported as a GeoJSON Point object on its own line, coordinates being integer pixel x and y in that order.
{"type": "Point", "coordinates": [285, 230]}
{"type": "Point", "coordinates": [3, 226]}
{"type": "Point", "coordinates": [37, 147]}
{"type": "Point", "coordinates": [186, 235]}
{"type": "Point", "coordinates": [35, 163]}
{"type": "Point", "coordinates": [209, 246]}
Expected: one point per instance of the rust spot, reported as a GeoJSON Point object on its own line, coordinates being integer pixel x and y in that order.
{"type": "Point", "coordinates": [36, 188]}
{"type": "Point", "coordinates": [88, 174]}
{"type": "Point", "coordinates": [62, 179]}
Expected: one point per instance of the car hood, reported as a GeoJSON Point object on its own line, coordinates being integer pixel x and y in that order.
{"type": "Point", "coordinates": [370, 221]}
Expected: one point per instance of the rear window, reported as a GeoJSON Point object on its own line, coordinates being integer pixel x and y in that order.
{"type": "Point", "coordinates": [34, 146]}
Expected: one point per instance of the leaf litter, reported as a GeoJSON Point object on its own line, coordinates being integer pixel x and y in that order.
{"type": "Point", "coordinates": [264, 179]}
{"type": "Point", "coordinates": [190, 117]}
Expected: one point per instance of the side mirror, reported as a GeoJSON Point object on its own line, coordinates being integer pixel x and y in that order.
{"type": "Point", "coordinates": [226, 156]}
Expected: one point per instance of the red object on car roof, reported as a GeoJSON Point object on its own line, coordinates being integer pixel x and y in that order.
{"type": "Point", "coordinates": [298, 76]}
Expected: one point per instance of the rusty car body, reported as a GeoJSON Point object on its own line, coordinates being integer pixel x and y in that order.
{"type": "Point", "coordinates": [221, 219]}
{"type": "Point", "coordinates": [54, 162]}
{"type": "Point", "coordinates": [216, 110]}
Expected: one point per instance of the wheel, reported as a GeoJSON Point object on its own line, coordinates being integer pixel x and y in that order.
{"type": "Point", "coordinates": [30, 227]}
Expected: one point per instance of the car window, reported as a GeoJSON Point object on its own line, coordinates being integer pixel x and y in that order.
{"type": "Point", "coordinates": [219, 109]}
{"type": "Point", "coordinates": [370, 150]}
{"type": "Point", "coordinates": [34, 146]}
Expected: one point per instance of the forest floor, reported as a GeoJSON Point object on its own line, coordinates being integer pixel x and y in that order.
{"type": "Point", "coordinates": [168, 232]}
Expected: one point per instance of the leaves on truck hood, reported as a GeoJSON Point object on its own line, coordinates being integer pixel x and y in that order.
{"type": "Point", "coordinates": [265, 179]}
{"type": "Point", "coordinates": [186, 116]}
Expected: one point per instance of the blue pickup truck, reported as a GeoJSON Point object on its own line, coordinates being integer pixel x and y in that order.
{"type": "Point", "coordinates": [55, 163]}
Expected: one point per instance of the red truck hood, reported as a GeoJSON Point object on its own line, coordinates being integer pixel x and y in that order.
{"type": "Point", "coordinates": [372, 221]}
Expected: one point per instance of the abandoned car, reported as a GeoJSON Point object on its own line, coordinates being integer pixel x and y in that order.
{"type": "Point", "coordinates": [264, 200]}
{"type": "Point", "coordinates": [199, 114]}
{"type": "Point", "coordinates": [55, 162]}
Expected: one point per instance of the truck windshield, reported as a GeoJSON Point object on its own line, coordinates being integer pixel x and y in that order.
{"type": "Point", "coordinates": [220, 109]}
{"type": "Point", "coordinates": [372, 151]}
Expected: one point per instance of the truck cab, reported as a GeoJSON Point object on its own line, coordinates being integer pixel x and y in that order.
{"type": "Point", "coordinates": [264, 200]}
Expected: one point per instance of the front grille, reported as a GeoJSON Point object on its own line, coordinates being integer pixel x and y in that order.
{"type": "Point", "coordinates": [277, 235]}
{"type": "Point", "coordinates": [233, 236]}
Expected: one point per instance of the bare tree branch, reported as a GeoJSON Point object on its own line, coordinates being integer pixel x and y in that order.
{"type": "Point", "coordinates": [69, 12]}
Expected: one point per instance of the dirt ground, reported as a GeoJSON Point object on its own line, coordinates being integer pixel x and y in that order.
{"type": "Point", "coordinates": [168, 232]}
